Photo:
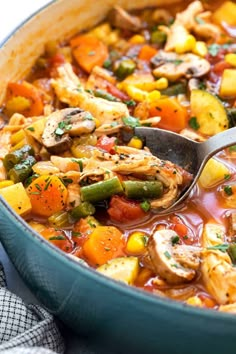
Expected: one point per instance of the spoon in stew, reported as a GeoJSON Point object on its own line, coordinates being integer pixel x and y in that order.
{"type": "Point", "coordinates": [188, 154]}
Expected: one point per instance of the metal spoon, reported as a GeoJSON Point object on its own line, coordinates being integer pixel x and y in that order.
{"type": "Point", "coordinates": [188, 154]}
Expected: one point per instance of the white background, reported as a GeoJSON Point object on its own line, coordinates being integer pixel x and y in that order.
{"type": "Point", "coordinates": [13, 12]}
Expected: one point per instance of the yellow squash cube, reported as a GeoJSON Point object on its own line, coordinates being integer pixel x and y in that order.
{"type": "Point", "coordinates": [213, 173]}
{"type": "Point", "coordinates": [17, 197]}
{"type": "Point", "coordinates": [228, 83]}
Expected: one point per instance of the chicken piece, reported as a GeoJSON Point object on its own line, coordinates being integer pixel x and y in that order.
{"type": "Point", "coordinates": [186, 22]}
{"type": "Point", "coordinates": [5, 143]}
{"type": "Point", "coordinates": [161, 16]}
{"type": "Point", "coordinates": [69, 90]}
{"type": "Point", "coordinates": [73, 198]}
{"type": "Point", "coordinates": [131, 161]}
{"type": "Point", "coordinates": [183, 23]}
{"type": "Point", "coordinates": [176, 264]}
{"type": "Point", "coordinates": [65, 164]}
{"type": "Point", "coordinates": [120, 18]}
{"type": "Point", "coordinates": [190, 134]}
{"type": "Point", "coordinates": [174, 66]}
{"type": "Point", "coordinates": [64, 123]}
{"type": "Point", "coordinates": [219, 275]}
{"type": "Point", "coordinates": [99, 79]}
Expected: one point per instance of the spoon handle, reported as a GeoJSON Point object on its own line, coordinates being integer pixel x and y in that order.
{"type": "Point", "coordinates": [217, 143]}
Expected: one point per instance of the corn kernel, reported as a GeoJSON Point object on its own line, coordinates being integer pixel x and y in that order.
{"type": "Point", "coordinates": [161, 84]}
{"type": "Point", "coordinates": [97, 122]}
{"type": "Point", "coordinates": [37, 226]}
{"type": "Point", "coordinates": [154, 95]}
{"type": "Point", "coordinates": [136, 243]}
{"type": "Point", "coordinates": [136, 94]}
{"type": "Point", "coordinates": [136, 143]}
{"type": "Point", "coordinates": [200, 49]}
{"type": "Point", "coordinates": [231, 59]}
{"type": "Point", "coordinates": [112, 38]}
{"type": "Point", "coordinates": [6, 183]}
{"type": "Point", "coordinates": [194, 301]}
{"type": "Point", "coordinates": [185, 45]}
{"type": "Point", "coordinates": [137, 39]}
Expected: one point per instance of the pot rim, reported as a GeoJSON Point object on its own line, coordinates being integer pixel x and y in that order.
{"type": "Point", "coordinates": [124, 289]}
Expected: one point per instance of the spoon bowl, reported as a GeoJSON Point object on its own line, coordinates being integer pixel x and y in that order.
{"type": "Point", "coordinates": [186, 153]}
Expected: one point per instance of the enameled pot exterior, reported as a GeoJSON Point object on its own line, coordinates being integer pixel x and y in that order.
{"type": "Point", "coordinates": [114, 315]}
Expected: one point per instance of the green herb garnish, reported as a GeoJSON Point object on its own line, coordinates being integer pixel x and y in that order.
{"type": "Point", "coordinates": [223, 247]}
{"type": "Point", "coordinates": [175, 240]}
{"type": "Point", "coordinates": [166, 253]}
{"type": "Point", "coordinates": [194, 123]}
{"type": "Point", "coordinates": [145, 206]}
{"type": "Point", "coordinates": [131, 121]}
{"type": "Point", "coordinates": [228, 190]}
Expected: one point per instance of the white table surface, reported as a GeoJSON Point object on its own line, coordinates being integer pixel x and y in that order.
{"type": "Point", "coordinates": [12, 13]}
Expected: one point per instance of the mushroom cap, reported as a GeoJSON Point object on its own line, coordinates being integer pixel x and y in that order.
{"type": "Point", "coordinates": [172, 264]}
{"type": "Point", "coordinates": [63, 123]}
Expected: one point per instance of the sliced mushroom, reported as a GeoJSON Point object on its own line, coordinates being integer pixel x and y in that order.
{"type": "Point", "coordinates": [119, 18]}
{"type": "Point", "coordinates": [174, 66]}
{"type": "Point", "coordinates": [63, 123]}
{"type": "Point", "coordinates": [174, 263]}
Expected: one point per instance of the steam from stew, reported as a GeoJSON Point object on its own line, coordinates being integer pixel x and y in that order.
{"type": "Point", "coordinates": [72, 167]}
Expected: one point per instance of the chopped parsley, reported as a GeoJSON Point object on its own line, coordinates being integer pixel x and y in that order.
{"type": "Point", "coordinates": [63, 126]}
{"type": "Point", "coordinates": [168, 256]}
{"type": "Point", "coordinates": [131, 121]}
{"type": "Point", "coordinates": [145, 206]}
{"type": "Point", "coordinates": [194, 123]}
{"type": "Point", "coordinates": [57, 238]}
{"type": "Point", "coordinates": [79, 162]}
{"type": "Point", "coordinates": [228, 190]}
{"type": "Point", "coordinates": [76, 234]}
{"type": "Point", "coordinates": [31, 129]}
{"type": "Point", "coordinates": [223, 247]}
{"type": "Point", "coordinates": [214, 48]}
{"type": "Point", "coordinates": [145, 239]}
{"type": "Point", "coordinates": [107, 64]}
{"type": "Point", "coordinates": [175, 240]}
{"type": "Point", "coordinates": [199, 20]}
{"type": "Point", "coordinates": [227, 176]}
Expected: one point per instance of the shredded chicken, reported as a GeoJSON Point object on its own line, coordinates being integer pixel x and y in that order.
{"type": "Point", "coordinates": [131, 161]}
{"type": "Point", "coordinates": [218, 273]}
{"type": "Point", "coordinates": [186, 22]}
{"type": "Point", "coordinates": [69, 90]}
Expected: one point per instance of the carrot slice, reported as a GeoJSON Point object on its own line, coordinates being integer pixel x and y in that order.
{"type": "Point", "coordinates": [58, 238]}
{"type": "Point", "coordinates": [147, 52]}
{"type": "Point", "coordinates": [88, 51]}
{"type": "Point", "coordinates": [173, 115]}
{"type": "Point", "coordinates": [47, 195]}
{"type": "Point", "coordinates": [28, 91]}
{"type": "Point", "coordinates": [105, 243]}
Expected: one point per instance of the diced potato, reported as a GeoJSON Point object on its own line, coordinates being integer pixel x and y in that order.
{"type": "Point", "coordinates": [37, 226]}
{"type": "Point", "coordinates": [226, 13]}
{"type": "Point", "coordinates": [209, 112]}
{"type": "Point", "coordinates": [228, 83]}
{"type": "Point", "coordinates": [124, 269]}
{"type": "Point", "coordinates": [213, 173]}
{"type": "Point", "coordinates": [36, 129]}
{"type": "Point", "coordinates": [17, 197]}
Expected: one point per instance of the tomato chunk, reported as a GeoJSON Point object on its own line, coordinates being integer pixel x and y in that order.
{"type": "Point", "coordinates": [121, 209]}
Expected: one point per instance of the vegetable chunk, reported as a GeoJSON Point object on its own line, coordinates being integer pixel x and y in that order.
{"type": "Point", "coordinates": [124, 269]}
{"type": "Point", "coordinates": [17, 197]}
{"type": "Point", "coordinates": [48, 195]}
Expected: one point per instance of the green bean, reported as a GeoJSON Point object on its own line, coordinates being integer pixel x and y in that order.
{"type": "Point", "coordinates": [59, 219]}
{"type": "Point", "coordinates": [20, 172]}
{"type": "Point", "coordinates": [101, 190]}
{"type": "Point", "coordinates": [82, 210]}
{"type": "Point", "coordinates": [175, 90]}
{"type": "Point", "coordinates": [125, 68]}
{"type": "Point", "coordinates": [106, 95]}
{"type": "Point", "coordinates": [143, 189]}
{"type": "Point", "coordinates": [15, 157]}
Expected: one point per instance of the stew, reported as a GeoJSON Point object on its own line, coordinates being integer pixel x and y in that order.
{"type": "Point", "coordinates": [72, 167]}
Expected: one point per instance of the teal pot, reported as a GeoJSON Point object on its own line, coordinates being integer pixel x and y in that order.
{"type": "Point", "coordinates": [119, 317]}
